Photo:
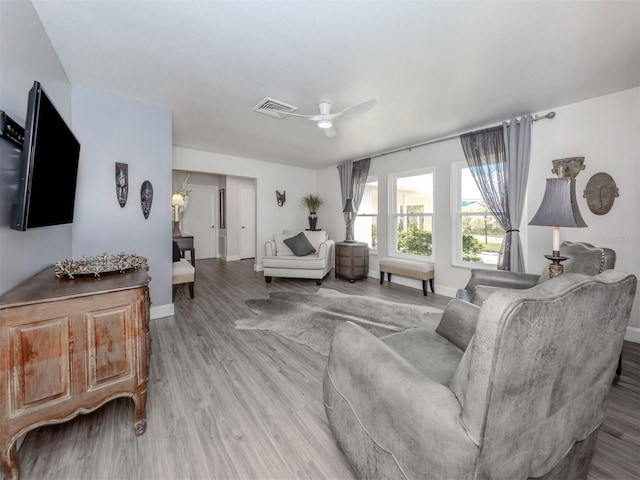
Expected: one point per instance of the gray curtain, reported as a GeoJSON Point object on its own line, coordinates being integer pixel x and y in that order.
{"type": "Point", "coordinates": [517, 139]}
{"type": "Point", "coordinates": [353, 178]}
{"type": "Point", "coordinates": [359, 175]}
{"type": "Point", "coordinates": [344, 170]}
{"type": "Point", "coordinates": [486, 157]}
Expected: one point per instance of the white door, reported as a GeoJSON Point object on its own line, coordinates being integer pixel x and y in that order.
{"type": "Point", "coordinates": [247, 222]}
{"type": "Point", "coordinates": [200, 220]}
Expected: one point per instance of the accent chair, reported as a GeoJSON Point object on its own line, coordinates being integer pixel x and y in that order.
{"type": "Point", "coordinates": [282, 261]}
{"type": "Point", "coordinates": [583, 258]}
{"type": "Point", "coordinates": [520, 394]}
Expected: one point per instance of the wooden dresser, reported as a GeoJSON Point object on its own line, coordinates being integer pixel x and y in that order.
{"type": "Point", "coordinates": [68, 347]}
{"type": "Point", "coordinates": [352, 260]}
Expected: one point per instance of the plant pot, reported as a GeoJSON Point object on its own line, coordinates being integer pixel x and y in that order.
{"type": "Point", "coordinates": [313, 221]}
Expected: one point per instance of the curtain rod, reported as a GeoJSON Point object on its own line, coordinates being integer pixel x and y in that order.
{"type": "Point", "coordinates": [549, 116]}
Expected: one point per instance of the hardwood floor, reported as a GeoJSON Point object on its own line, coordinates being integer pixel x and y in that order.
{"type": "Point", "coordinates": [247, 404]}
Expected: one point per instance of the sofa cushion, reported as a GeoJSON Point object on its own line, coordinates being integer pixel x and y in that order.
{"type": "Point", "coordinates": [316, 237]}
{"type": "Point", "coordinates": [308, 262]}
{"type": "Point", "coordinates": [299, 245]}
{"type": "Point", "coordinates": [176, 252]}
{"type": "Point", "coordinates": [282, 250]}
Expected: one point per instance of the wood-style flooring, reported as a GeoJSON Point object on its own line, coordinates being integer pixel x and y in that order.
{"type": "Point", "coordinates": [247, 404]}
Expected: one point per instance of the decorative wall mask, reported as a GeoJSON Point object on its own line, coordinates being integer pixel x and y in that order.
{"type": "Point", "coordinates": [146, 198]}
{"type": "Point", "coordinates": [568, 167]}
{"type": "Point", "coordinates": [281, 197]}
{"type": "Point", "coordinates": [122, 183]}
{"type": "Point", "coordinates": [600, 193]}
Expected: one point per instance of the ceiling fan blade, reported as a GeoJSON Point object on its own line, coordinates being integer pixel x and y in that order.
{"type": "Point", "coordinates": [359, 108]}
{"type": "Point", "coordinates": [330, 132]}
{"type": "Point", "coordinates": [309, 117]}
{"type": "Point", "coordinates": [314, 118]}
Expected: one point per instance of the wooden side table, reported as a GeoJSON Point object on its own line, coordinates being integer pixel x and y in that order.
{"type": "Point", "coordinates": [352, 260]}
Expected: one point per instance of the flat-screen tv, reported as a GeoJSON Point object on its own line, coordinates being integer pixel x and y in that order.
{"type": "Point", "coordinates": [49, 167]}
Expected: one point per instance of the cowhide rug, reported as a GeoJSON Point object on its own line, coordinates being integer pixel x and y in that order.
{"type": "Point", "coordinates": [310, 318]}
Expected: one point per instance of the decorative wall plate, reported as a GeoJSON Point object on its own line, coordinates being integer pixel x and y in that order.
{"type": "Point", "coordinates": [146, 198]}
{"type": "Point", "coordinates": [99, 264]}
{"type": "Point", "coordinates": [600, 192]}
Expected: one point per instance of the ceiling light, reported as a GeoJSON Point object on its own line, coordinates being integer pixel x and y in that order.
{"type": "Point", "coordinates": [325, 123]}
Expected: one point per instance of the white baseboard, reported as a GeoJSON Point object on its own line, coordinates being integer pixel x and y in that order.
{"type": "Point", "coordinates": [162, 311]}
{"type": "Point", "coordinates": [232, 258]}
{"type": "Point", "coordinates": [632, 334]}
{"type": "Point", "coordinates": [257, 267]}
{"type": "Point", "coordinates": [413, 283]}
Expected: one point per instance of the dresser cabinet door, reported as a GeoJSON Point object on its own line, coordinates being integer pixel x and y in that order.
{"type": "Point", "coordinates": [110, 344]}
{"type": "Point", "coordinates": [40, 363]}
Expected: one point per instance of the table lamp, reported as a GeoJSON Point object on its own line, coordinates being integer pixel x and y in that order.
{"type": "Point", "coordinates": [176, 202]}
{"type": "Point", "coordinates": [349, 209]}
{"type": "Point", "coordinates": [559, 208]}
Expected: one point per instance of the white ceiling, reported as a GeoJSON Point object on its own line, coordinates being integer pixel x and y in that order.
{"type": "Point", "coordinates": [435, 67]}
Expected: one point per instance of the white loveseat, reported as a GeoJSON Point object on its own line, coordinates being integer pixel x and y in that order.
{"type": "Point", "coordinates": [280, 261]}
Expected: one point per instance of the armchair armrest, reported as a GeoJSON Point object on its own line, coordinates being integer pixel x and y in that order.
{"type": "Point", "coordinates": [325, 249]}
{"type": "Point", "coordinates": [270, 248]}
{"type": "Point", "coordinates": [501, 279]}
{"type": "Point", "coordinates": [421, 417]}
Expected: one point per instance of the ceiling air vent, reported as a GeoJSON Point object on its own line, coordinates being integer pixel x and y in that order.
{"type": "Point", "coordinates": [271, 107]}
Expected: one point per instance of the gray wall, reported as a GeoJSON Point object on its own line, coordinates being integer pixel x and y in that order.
{"type": "Point", "coordinates": [113, 129]}
{"type": "Point", "coordinates": [27, 55]}
{"type": "Point", "coordinates": [110, 129]}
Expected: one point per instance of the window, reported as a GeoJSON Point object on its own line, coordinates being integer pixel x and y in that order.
{"type": "Point", "coordinates": [412, 214]}
{"type": "Point", "coordinates": [366, 225]}
{"type": "Point", "coordinates": [478, 234]}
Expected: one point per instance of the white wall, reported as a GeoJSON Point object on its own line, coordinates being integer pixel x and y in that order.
{"type": "Point", "coordinates": [439, 156]}
{"type": "Point", "coordinates": [113, 129]}
{"type": "Point", "coordinates": [26, 54]}
{"type": "Point", "coordinates": [605, 130]}
{"type": "Point", "coordinates": [269, 177]}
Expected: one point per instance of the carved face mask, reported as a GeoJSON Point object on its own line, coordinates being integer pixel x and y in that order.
{"type": "Point", "coordinates": [146, 198]}
{"type": "Point", "coordinates": [600, 193]}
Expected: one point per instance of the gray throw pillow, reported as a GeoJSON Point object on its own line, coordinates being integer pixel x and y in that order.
{"type": "Point", "coordinates": [300, 245]}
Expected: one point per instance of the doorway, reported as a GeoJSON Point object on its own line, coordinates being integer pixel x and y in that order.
{"type": "Point", "coordinates": [247, 222]}
{"type": "Point", "coordinates": [200, 220]}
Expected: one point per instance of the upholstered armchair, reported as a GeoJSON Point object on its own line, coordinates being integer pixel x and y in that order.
{"type": "Point", "coordinates": [583, 258]}
{"type": "Point", "coordinates": [280, 260]}
{"type": "Point", "coordinates": [522, 396]}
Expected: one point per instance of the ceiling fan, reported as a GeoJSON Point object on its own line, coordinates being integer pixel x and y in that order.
{"type": "Point", "coordinates": [325, 119]}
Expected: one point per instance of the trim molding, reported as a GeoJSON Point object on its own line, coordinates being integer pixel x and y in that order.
{"type": "Point", "coordinates": [632, 334]}
{"type": "Point", "coordinates": [413, 283]}
{"type": "Point", "coordinates": [162, 311]}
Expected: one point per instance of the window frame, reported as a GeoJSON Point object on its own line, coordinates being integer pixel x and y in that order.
{"type": "Point", "coordinates": [372, 250]}
{"type": "Point", "coordinates": [456, 220]}
{"type": "Point", "coordinates": [392, 236]}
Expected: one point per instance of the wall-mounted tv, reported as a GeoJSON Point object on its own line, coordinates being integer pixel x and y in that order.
{"type": "Point", "coordinates": [49, 167]}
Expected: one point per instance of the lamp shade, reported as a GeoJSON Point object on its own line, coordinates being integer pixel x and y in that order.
{"type": "Point", "coordinates": [349, 206]}
{"type": "Point", "coordinates": [559, 207]}
{"type": "Point", "coordinates": [177, 200]}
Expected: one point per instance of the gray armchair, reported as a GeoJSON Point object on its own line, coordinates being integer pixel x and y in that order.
{"type": "Point", "coordinates": [583, 258]}
{"type": "Point", "coordinates": [523, 397]}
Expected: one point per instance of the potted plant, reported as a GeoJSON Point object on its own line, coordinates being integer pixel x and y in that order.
{"type": "Point", "coordinates": [312, 202]}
